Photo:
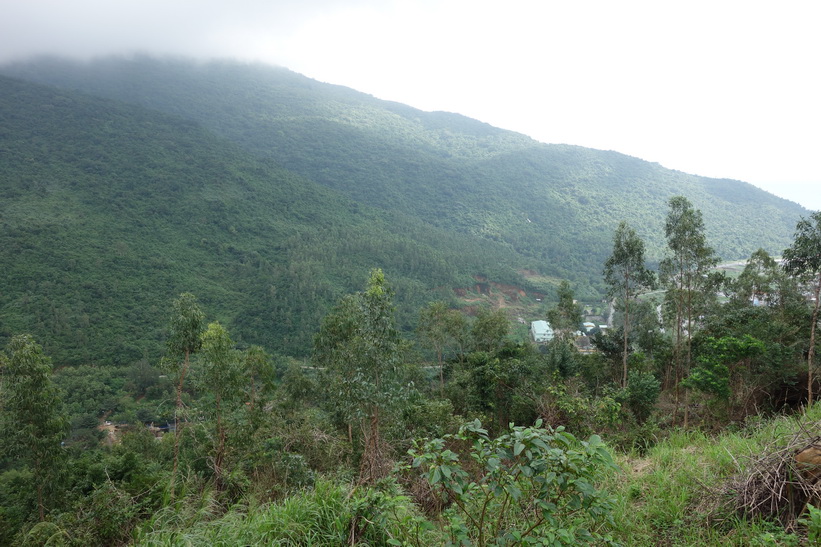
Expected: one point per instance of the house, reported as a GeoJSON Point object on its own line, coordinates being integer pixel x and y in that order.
{"type": "Point", "coordinates": [541, 331]}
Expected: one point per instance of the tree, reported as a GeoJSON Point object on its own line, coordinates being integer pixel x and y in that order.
{"type": "Point", "coordinates": [765, 303]}
{"type": "Point", "coordinates": [186, 327]}
{"type": "Point", "coordinates": [33, 422]}
{"type": "Point", "coordinates": [717, 360]}
{"type": "Point", "coordinates": [757, 282]}
{"type": "Point", "coordinates": [359, 348]}
{"type": "Point", "coordinates": [685, 274]}
{"type": "Point", "coordinates": [439, 326]}
{"type": "Point", "coordinates": [627, 277]}
{"type": "Point", "coordinates": [221, 375]}
{"type": "Point", "coordinates": [803, 260]}
{"type": "Point", "coordinates": [566, 317]}
{"type": "Point", "coordinates": [610, 345]}
{"type": "Point", "coordinates": [489, 330]}
{"type": "Point", "coordinates": [260, 374]}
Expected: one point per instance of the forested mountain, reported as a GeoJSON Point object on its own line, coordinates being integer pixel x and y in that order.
{"type": "Point", "coordinates": [270, 194]}
{"type": "Point", "coordinates": [547, 201]}
{"type": "Point", "coordinates": [109, 211]}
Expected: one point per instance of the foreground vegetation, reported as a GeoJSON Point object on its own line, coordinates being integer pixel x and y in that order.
{"type": "Point", "coordinates": [674, 494]}
{"type": "Point", "coordinates": [374, 444]}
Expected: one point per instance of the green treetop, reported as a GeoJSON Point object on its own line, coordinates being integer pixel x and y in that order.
{"type": "Point", "coordinates": [627, 277]}
{"type": "Point", "coordinates": [33, 423]}
{"type": "Point", "coordinates": [803, 259]}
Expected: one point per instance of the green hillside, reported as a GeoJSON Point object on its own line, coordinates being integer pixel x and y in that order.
{"type": "Point", "coordinates": [548, 202]}
{"type": "Point", "coordinates": [269, 195]}
{"type": "Point", "coordinates": [109, 211]}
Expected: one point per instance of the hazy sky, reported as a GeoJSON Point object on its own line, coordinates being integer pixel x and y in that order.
{"type": "Point", "coordinates": [719, 88]}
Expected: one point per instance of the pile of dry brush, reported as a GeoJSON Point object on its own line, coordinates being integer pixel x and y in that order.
{"type": "Point", "coordinates": [780, 483]}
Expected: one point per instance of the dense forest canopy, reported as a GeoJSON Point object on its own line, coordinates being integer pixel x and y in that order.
{"type": "Point", "coordinates": [109, 210]}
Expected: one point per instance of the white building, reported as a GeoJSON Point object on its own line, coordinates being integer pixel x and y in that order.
{"type": "Point", "coordinates": [541, 331]}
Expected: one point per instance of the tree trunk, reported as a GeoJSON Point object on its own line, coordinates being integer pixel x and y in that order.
{"type": "Point", "coordinates": [219, 456]}
{"type": "Point", "coordinates": [811, 354]}
{"type": "Point", "coordinates": [178, 426]}
{"type": "Point", "coordinates": [374, 464]}
{"type": "Point", "coordinates": [677, 346]}
{"type": "Point", "coordinates": [626, 335]}
{"type": "Point", "coordinates": [441, 372]}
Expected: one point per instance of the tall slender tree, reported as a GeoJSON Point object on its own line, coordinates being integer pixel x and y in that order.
{"type": "Point", "coordinates": [627, 277]}
{"type": "Point", "coordinates": [566, 316]}
{"type": "Point", "coordinates": [32, 419]}
{"type": "Point", "coordinates": [186, 326]}
{"type": "Point", "coordinates": [756, 283]}
{"type": "Point", "coordinates": [441, 326]}
{"type": "Point", "coordinates": [221, 375]}
{"type": "Point", "coordinates": [685, 275]}
{"type": "Point", "coordinates": [359, 348]}
{"type": "Point", "coordinates": [803, 259]}
{"type": "Point", "coordinates": [257, 365]}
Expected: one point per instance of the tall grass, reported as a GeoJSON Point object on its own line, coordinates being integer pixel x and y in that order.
{"type": "Point", "coordinates": [327, 514]}
{"type": "Point", "coordinates": [675, 494]}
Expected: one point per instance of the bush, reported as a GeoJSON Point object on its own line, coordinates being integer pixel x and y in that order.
{"type": "Point", "coordinates": [641, 394]}
{"type": "Point", "coordinates": [529, 486]}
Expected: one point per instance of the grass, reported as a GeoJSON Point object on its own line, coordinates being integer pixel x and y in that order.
{"type": "Point", "coordinates": [676, 493]}
{"type": "Point", "coordinates": [323, 515]}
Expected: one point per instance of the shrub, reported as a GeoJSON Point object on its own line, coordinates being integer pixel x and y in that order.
{"type": "Point", "coordinates": [528, 486]}
{"type": "Point", "coordinates": [642, 393]}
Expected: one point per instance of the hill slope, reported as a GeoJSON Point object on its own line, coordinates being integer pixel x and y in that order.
{"type": "Point", "coordinates": [545, 201]}
{"type": "Point", "coordinates": [109, 211]}
{"type": "Point", "coordinates": [269, 195]}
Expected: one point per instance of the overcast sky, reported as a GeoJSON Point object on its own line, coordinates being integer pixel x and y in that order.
{"type": "Point", "coordinates": [728, 89]}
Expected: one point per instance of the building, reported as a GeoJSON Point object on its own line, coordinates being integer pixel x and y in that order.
{"type": "Point", "coordinates": [541, 331]}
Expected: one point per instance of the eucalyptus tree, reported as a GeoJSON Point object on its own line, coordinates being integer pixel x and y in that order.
{"type": "Point", "coordinates": [32, 419]}
{"type": "Point", "coordinates": [627, 277]}
{"type": "Point", "coordinates": [359, 350]}
{"type": "Point", "coordinates": [440, 326]}
{"type": "Point", "coordinates": [186, 326]}
{"type": "Point", "coordinates": [765, 286]}
{"type": "Point", "coordinates": [566, 316]}
{"type": "Point", "coordinates": [257, 364]}
{"type": "Point", "coordinates": [757, 281]}
{"type": "Point", "coordinates": [803, 260]}
{"type": "Point", "coordinates": [686, 276]}
{"type": "Point", "coordinates": [489, 330]}
{"type": "Point", "coordinates": [222, 377]}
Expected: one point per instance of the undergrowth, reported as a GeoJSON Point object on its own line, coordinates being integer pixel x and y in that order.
{"type": "Point", "coordinates": [681, 492]}
{"type": "Point", "coordinates": [678, 492]}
